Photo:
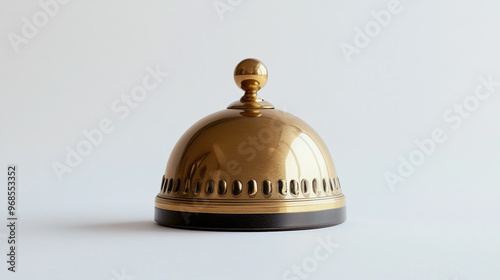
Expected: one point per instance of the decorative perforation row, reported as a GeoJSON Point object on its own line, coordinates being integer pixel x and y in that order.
{"type": "Point", "coordinates": [294, 187]}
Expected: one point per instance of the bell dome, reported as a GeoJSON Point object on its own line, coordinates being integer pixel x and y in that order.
{"type": "Point", "coordinates": [250, 167]}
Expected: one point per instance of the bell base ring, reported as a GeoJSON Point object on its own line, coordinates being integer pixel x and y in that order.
{"type": "Point", "coordinates": [251, 222]}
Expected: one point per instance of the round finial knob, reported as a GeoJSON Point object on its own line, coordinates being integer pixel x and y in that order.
{"type": "Point", "coordinates": [250, 75]}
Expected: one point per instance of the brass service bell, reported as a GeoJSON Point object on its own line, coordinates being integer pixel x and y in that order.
{"type": "Point", "coordinates": [250, 167]}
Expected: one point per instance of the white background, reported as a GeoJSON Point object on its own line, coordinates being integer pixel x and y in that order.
{"type": "Point", "coordinates": [441, 222]}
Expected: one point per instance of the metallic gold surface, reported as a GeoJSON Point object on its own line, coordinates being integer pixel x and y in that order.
{"type": "Point", "coordinates": [250, 206]}
{"type": "Point", "coordinates": [250, 159]}
{"type": "Point", "coordinates": [250, 75]}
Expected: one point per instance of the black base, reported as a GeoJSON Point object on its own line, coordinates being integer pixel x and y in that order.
{"type": "Point", "coordinates": [250, 222]}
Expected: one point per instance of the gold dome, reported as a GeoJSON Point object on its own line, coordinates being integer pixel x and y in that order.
{"type": "Point", "coordinates": [250, 167]}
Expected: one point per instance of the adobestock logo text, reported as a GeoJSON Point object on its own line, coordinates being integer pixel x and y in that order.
{"type": "Point", "coordinates": [321, 253]}
{"type": "Point", "coordinates": [31, 26]}
{"type": "Point", "coordinates": [121, 107]}
{"type": "Point", "coordinates": [371, 30]}
{"type": "Point", "coordinates": [454, 117]}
